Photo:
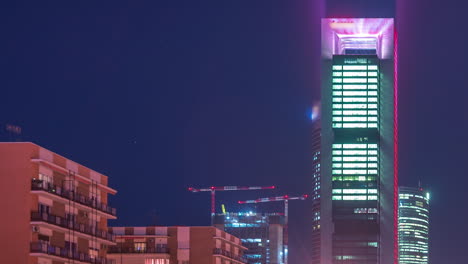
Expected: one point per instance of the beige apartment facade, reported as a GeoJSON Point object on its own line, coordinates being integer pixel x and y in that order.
{"type": "Point", "coordinates": [55, 210]}
{"type": "Point", "coordinates": [175, 245]}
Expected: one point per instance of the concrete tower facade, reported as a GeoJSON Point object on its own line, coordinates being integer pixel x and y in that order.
{"type": "Point", "coordinates": [358, 182]}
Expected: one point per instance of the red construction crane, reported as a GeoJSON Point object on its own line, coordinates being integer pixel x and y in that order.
{"type": "Point", "coordinates": [285, 199]}
{"type": "Point", "coordinates": [213, 190]}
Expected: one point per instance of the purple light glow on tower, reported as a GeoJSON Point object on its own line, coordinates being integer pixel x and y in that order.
{"type": "Point", "coordinates": [339, 34]}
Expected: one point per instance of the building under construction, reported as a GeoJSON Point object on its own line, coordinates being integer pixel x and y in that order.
{"type": "Point", "coordinates": [261, 233]}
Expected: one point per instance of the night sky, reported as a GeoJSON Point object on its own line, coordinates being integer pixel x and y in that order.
{"type": "Point", "coordinates": [164, 95]}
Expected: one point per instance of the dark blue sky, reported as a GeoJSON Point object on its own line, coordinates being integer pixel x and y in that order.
{"type": "Point", "coordinates": [164, 95]}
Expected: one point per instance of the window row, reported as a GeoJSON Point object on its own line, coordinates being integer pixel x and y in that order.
{"type": "Point", "coordinates": [354, 178]}
{"type": "Point", "coordinates": [355, 119]}
{"type": "Point", "coordinates": [355, 67]}
{"type": "Point", "coordinates": [355, 73]}
{"type": "Point", "coordinates": [354, 152]}
{"type": "Point", "coordinates": [355, 112]}
{"type": "Point", "coordinates": [355, 93]}
{"type": "Point", "coordinates": [354, 86]}
{"type": "Point", "coordinates": [355, 197]}
{"type": "Point", "coordinates": [355, 106]}
{"type": "Point", "coordinates": [354, 165]}
{"type": "Point", "coordinates": [355, 125]}
{"type": "Point", "coordinates": [354, 146]}
{"type": "Point", "coordinates": [354, 99]}
{"type": "Point", "coordinates": [354, 191]}
{"type": "Point", "coordinates": [344, 172]}
{"type": "Point", "coordinates": [355, 159]}
{"type": "Point", "coordinates": [355, 80]}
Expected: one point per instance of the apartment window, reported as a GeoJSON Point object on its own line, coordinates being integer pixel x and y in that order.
{"type": "Point", "coordinates": [157, 261]}
{"type": "Point", "coordinates": [140, 246]}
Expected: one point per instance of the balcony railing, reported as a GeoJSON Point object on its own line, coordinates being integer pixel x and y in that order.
{"type": "Point", "coordinates": [62, 222]}
{"type": "Point", "coordinates": [46, 248]}
{"type": "Point", "coordinates": [228, 254]}
{"type": "Point", "coordinates": [39, 185]}
{"type": "Point", "coordinates": [132, 250]}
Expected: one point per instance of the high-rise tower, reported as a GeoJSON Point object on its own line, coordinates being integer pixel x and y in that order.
{"type": "Point", "coordinates": [358, 181]}
{"type": "Point", "coordinates": [413, 226]}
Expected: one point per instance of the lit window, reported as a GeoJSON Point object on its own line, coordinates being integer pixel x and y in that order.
{"type": "Point", "coordinates": [140, 246]}
{"type": "Point", "coordinates": [372, 67]}
{"type": "Point", "coordinates": [354, 119]}
{"type": "Point", "coordinates": [354, 93]}
{"type": "Point", "coordinates": [354, 80]}
{"type": "Point", "coordinates": [337, 125]}
{"type": "Point", "coordinates": [336, 86]}
{"type": "Point", "coordinates": [354, 146]}
{"type": "Point", "coordinates": [372, 80]}
{"type": "Point", "coordinates": [372, 86]}
{"type": "Point", "coordinates": [354, 74]}
{"type": "Point", "coordinates": [354, 197]}
{"type": "Point", "coordinates": [337, 112]}
{"type": "Point", "coordinates": [374, 93]}
{"type": "Point", "coordinates": [372, 99]}
{"type": "Point", "coordinates": [354, 125]}
{"type": "Point", "coordinates": [372, 112]}
{"type": "Point", "coordinates": [372, 197]}
{"type": "Point", "coordinates": [355, 106]}
{"type": "Point", "coordinates": [354, 191]}
{"type": "Point", "coordinates": [337, 119]}
{"type": "Point", "coordinates": [338, 106]}
{"type": "Point", "coordinates": [337, 100]}
{"type": "Point", "coordinates": [372, 125]}
{"type": "Point", "coordinates": [372, 152]}
{"type": "Point", "coordinates": [336, 158]}
{"type": "Point", "coordinates": [372, 145]}
{"type": "Point", "coordinates": [357, 112]}
{"type": "Point", "coordinates": [372, 191]}
{"type": "Point", "coordinates": [354, 171]}
{"type": "Point", "coordinates": [337, 74]}
{"type": "Point", "coordinates": [372, 118]}
{"type": "Point", "coordinates": [354, 86]}
{"type": "Point", "coordinates": [354, 165]}
{"type": "Point", "coordinates": [337, 67]}
{"type": "Point", "coordinates": [355, 67]}
{"type": "Point", "coordinates": [337, 93]}
{"type": "Point", "coordinates": [337, 80]}
{"type": "Point", "coordinates": [354, 152]}
{"type": "Point", "coordinates": [372, 74]}
{"type": "Point", "coordinates": [337, 152]}
{"type": "Point", "coordinates": [373, 106]}
{"type": "Point", "coordinates": [336, 145]}
{"type": "Point", "coordinates": [336, 197]}
{"type": "Point", "coordinates": [372, 158]}
{"type": "Point", "coordinates": [354, 100]}
{"type": "Point", "coordinates": [336, 191]}
{"type": "Point", "coordinates": [354, 158]}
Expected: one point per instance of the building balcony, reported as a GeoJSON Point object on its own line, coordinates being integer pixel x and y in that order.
{"type": "Point", "coordinates": [132, 250]}
{"type": "Point", "coordinates": [39, 185]}
{"type": "Point", "coordinates": [228, 254]}
{"type": "Point", "coordinates": [43, 247]}
{"type": "Point", "coordinates": [62, 222]}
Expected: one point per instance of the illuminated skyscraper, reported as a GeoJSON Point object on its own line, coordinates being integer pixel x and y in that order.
{"type": "Point", "coordinates": [413, 226]}
{"type": "Point", "coordinates": [358, 161]}
{"type": "Point", "coordinates": [261, 234]}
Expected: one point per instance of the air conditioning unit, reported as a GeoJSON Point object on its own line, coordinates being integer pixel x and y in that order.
{"type": "Point", "coordinates": [35, 229]}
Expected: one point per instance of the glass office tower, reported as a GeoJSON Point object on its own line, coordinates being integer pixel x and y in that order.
{"type": "Point", "coordinates": [358, 186]}
{"type": "Point", "coordinates": [413, 226]}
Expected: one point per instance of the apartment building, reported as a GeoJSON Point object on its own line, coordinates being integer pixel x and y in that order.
{"type": "Point", "coordinates": [54, 210]}
{"type": "Point", "coordinates": [175, 245]}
